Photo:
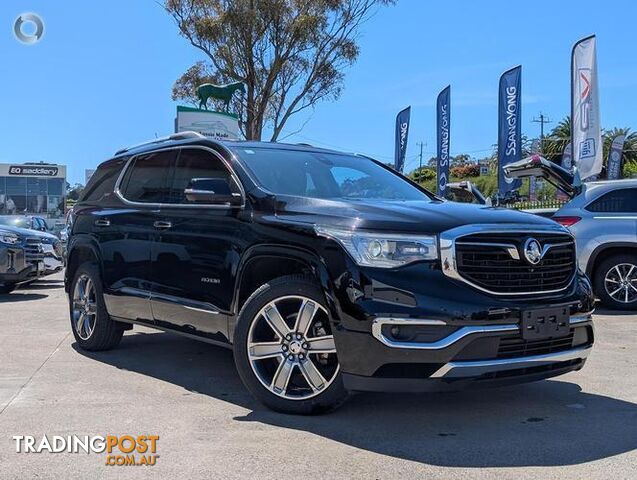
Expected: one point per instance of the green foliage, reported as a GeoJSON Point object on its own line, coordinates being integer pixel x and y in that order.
{"type": "Point", "coordinates": [630, 170]}
{"type": "Point", "coordinates": [290, 54]}
{"type": "Point", "coordinates": [74, 192]}
{"type": "Point", "coordinates": [466, 170]}
{"type": "Point", "coordinates": [423, 174]}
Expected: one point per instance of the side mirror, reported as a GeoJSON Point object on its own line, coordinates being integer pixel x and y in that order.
{"type": "Point", "coordinates": [213, 191]}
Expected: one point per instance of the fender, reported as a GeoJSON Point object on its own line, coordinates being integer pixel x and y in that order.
{"type": "Point", "coordinates": [302, 255]}
{"type": "Point", "coordinates": [80, 241]}
{"type": "Point", "coordinates": [602, 248]}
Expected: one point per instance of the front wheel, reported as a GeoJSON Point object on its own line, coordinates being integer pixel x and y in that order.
{"type": "Point", "coordinates": [284, 349]}
{"type": "Point", "coordinates": [616, 282]}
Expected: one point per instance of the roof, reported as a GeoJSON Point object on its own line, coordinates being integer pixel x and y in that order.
{"type": "Point", "coordinates": [194, 138]}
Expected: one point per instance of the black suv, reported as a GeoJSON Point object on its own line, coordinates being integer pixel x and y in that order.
{"type": "Point", "coordinates": [325, 272]}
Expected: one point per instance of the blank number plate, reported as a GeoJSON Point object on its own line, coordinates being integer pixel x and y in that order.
{"type": "Point", "coordinates": [545, 323]}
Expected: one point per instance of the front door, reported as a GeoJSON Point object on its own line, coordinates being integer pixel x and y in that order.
{"type": "Point", "coordinates": [195, 258]}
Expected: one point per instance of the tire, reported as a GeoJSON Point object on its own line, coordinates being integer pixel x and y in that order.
{"type": "Point", "coordinates": [610, 274]}
{"type": "Point", "coordinates": [292, 360]}
{"type": "Point", "coordinates": [7, 288]}
{"type": "Point", "coordinates": [97, 331]}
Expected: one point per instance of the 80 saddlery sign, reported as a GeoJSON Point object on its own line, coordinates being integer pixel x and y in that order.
{"type": "Point", "coordinates": [35, 170]}
{"type": "Point", "coordinates": [216, 125]}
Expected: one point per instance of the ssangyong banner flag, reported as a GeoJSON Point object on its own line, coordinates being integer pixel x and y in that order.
{"type": "Point", "coordinates": [443, 120]}
{"type": "Point", "coordinates": [614, 165]}
{"type": "Point", "coordinates": [586, 130]}
{"type": "Point", "coordinates": [402, 133]}
{"type": "Point", "coordinates": [509, 126]}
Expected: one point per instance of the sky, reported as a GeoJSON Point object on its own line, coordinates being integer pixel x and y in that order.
{"type": "Point", "coordinates": [101, 76]}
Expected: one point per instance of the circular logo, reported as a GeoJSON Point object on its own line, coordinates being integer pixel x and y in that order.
{"type": "Point", "coordinates": [532, 251]}
{"type": "Point", "coordinates": [35, 22]}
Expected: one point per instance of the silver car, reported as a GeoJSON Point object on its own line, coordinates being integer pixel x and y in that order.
{"type": "Point", "coordinates": [603, 218]}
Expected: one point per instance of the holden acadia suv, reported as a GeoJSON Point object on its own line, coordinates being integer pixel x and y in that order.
{"type": "Point", "coordinates": [325, 272]}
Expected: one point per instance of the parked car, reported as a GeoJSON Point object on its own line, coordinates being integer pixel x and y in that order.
{"type": "Point", "coordinates": [325, 272]}
{"type": "Point", "coordinates": [21, 257]}
{"type": "Point", "coordinates": [602, 216]}
{"type": "Point", "coordinates": [30, 222]}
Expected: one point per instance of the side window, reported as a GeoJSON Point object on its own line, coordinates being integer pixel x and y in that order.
{"type": "Point", "coordinates": [102, 183]}
{"type": "Point", "coordinates": [619, 201]}
{"type": "Point", "coordinates": [146, 180]}
{"type": "Point", "coordinates": [197, 163]}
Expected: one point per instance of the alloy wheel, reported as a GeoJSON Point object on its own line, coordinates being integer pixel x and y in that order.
{"type": "Point", "coordinates": [291, 349]}
{"type": "Point", "coordinates": [84, 309]}
{"type": "Point", "coordinates": [621, 283]}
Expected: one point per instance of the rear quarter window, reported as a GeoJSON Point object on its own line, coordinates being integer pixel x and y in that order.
{"type": "Point", "coordinates": [102, 183]}
{"type": "Point", "coordinates": [617, 201]}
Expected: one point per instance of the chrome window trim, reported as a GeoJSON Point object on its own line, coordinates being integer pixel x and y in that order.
{"type": "Point", "coordinates": [470, 369]}
{"type": "Point", "coordinates": [449, 238]}
{"type": "Point", "coordinates": [130, 161]}
{"type": "Point", "coordinates": [449, 340]}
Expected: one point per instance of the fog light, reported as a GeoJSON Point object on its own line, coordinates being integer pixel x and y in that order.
{"type": "Point", "coordinates": [395, 332]}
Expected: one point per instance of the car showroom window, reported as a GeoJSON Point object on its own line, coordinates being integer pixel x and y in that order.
{"type": "Point", "coordinates": [197, 163]}
{"type": "Point", "coordinates": [146, 180]}
{"type": "Point", "coordinates": [618, 201]}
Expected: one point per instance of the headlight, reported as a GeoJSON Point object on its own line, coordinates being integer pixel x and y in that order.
{"type": "Point", "coordinates": [383, 250]}
{"type": "Point", "coordinates": [8, 238]}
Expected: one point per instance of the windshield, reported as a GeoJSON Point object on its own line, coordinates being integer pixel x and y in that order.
{"type": "Point", "coordinates": [325, 175]}
{"type": "Point", "coordinates": [20, 222]}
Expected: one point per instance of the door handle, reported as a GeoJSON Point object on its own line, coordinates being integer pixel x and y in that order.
{"type": "Point", "coordinates": [162, 225]}
{"type": "Point", "coordinates": [104, 222]}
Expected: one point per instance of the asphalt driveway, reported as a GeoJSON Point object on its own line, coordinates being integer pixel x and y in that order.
{"type": "Point", "coordinates": [581, 425]}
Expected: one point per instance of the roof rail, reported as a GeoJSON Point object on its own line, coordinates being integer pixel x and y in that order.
{"type": "Point", "coordinates": [175, 136]}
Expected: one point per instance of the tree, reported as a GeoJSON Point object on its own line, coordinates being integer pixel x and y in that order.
{"type": "Point", "coordinates": [554, 144]}
{"type": "Point", "coordinates": [290, 54]}
{"type": "Point", "coordinates": [74, 192]}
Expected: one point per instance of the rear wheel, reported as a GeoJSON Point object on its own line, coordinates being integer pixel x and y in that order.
{"type": "Point", "coordinates": [284, 348]}
{"type": "Point", "coordinates": [7, 287]}
{"type": "Point", "coordinates": [92, 327]}
{"type": "Point", "coordinates": [616, 282]}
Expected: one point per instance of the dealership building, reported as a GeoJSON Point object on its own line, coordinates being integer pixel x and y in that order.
{"type": "Point", "coordinates": [32, 188]}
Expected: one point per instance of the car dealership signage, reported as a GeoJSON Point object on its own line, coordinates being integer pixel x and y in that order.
{"type": "Point", "coordinates": [32, 170]}
{"type": "Point", "coordinates": [216, 125]}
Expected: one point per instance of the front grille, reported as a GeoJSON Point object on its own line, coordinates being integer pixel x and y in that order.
{"type": "Point", "coordinates": [484, 260]}
{"type": "Point", "coordinates": [33, 250]}
{"type": "Point", "coordinates": [513, 346]}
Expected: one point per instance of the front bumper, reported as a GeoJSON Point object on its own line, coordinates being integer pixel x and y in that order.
{"type": "Point", "coordinates": [15, 269]}
{"type": "Point", "coordinates": [449, 335]}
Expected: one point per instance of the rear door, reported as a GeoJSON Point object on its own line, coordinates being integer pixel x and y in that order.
{"type": "Point", "coordinates": [195, 258]}
{"type": "Point", "coordinates": [127, 232]}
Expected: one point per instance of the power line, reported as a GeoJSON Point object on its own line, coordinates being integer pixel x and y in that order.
{"type": "Point", "coordinates": [542, 120]}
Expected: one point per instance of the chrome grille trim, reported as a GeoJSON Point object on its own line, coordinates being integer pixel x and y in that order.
{"type": "Point", "coordinates": [449, 261]}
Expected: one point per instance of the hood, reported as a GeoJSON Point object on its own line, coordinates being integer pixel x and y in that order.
{"type": "Point", "coordinates": [25, 232]}
{"type": "Point", "coordinates": [407, 217]}
{"type": "Point", "coordinates": [537, 166]}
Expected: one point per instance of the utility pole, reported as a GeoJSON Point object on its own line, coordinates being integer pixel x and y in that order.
{"type": "Point", "coordinates": [420, 156]}
{"type": "Point", "coordinates": [542, 120]}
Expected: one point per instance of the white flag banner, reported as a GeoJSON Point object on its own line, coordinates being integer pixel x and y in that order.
{"type": "Point", "coordinates": [586, 130]}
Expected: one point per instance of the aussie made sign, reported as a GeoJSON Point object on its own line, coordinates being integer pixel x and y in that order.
{"type": "Point", "coordinates": [216, 125]}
